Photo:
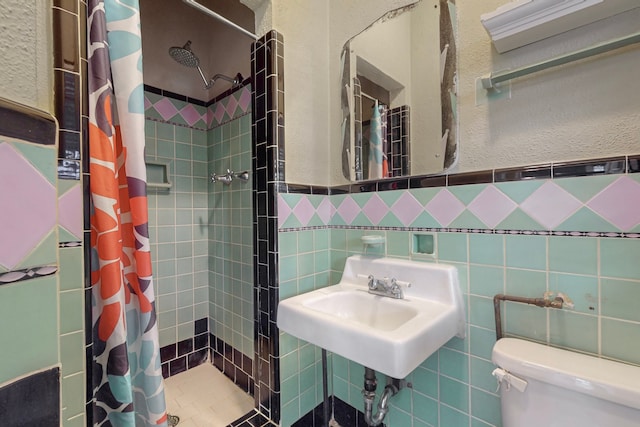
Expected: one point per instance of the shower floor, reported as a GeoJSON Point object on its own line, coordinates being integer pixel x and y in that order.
{"type": "Point", "coordinates": [204, 397]}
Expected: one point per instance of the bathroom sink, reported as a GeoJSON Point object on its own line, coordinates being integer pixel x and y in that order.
{"type": "Point", "coordinates": [391, 336]}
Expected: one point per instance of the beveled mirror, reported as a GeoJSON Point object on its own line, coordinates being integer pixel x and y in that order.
{"type": "Point", "coordinates": [399, 94]}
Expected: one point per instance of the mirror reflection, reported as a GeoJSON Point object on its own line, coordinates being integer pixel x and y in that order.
{"type": "Point", "coordinates": [398, 94]}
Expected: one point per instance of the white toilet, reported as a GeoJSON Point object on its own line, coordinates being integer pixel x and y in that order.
{"type": "Point", "coordinates": [543, 386]}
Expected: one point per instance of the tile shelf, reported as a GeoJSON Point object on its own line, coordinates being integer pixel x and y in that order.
{"type": "Point", "coordinates": [158, 175]}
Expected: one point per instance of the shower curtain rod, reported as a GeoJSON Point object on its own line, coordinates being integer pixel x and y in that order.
{"type": "Point", "coordinates": [213, 14]}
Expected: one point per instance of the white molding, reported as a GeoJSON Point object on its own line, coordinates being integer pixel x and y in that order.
{"type": "Point", "coordinates": [521, 22]}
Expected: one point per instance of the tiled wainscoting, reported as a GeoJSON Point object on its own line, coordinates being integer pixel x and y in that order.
{"type": "Point", "coordinates": [577, 233]}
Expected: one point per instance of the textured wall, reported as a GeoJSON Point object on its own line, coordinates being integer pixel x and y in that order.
{"type": "Point", "coordinates": [25, 51]}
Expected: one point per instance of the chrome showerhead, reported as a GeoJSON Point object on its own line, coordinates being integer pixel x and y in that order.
{"type": "Point", "coordinates": [183, 55]}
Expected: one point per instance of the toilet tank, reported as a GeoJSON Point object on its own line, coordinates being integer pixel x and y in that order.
{"type": "Point", "coordinates": [544, 386]}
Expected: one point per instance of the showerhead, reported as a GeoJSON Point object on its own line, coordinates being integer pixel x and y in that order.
{"type": "Point", "coordinates": [183, 55]}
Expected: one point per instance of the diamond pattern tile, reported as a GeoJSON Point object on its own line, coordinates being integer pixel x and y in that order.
{"type": "Point", "coordinates": [28, 206]}
{"type": "Point", "coordinates": [444, 207]}
{"type": "Point", "coordinates": [190, 114]}
{"type": "Point", "coordinates": [348, 210]}
{"type": "Point", "coordinates": [232, 104]}
{"type": "Point", "coordinates": [619, 203]}
{"type": "Point", "coordinates": [245, 99]}
{"type": "Point", "coordinates": [283, 210]}
{"type": "Point", "coordinates": [407, 208]}
{"type": "Point", "coordinates": [70, 211]}
{"type": "Point", "coordinates": [165, 108]}
{"type": "Point", "coordinates": [550, 205]}
{"type": "Point", "coordinates": [375, 209]}
{"type": "Point", "coordinates": [325, 210]}
{"type": "Point", "coordinates": [492, 206]}
{"type": "Point", "coordinates": [304, 211]}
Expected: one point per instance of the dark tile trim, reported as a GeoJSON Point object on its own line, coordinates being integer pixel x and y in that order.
{"type": "Point", "coordinates": [186, 354]}
{"type": "Point", "coordinates": [179, 97]}
{"type": "Point", "coordinates": [252, 419]}
{"type": "Point", "coordinates": [14, 276]}
{"type": "Point", "coordinates": [522, 174]}
{"type": "Point", "coordinates": [633, 164]}
{"type": "Point", "coordinates": [233, 363]}
{"type": "Point", "coordinates": [481, 177]}
{"type": "Point", "coordinates": [26, 123]}
{"type": "Point", "coordinates": [612, 165]}
{"type": "Point", "coordinates": [32, 401]}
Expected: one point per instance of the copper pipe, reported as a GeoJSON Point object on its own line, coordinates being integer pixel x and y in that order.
{"type": "Point", "coordinates": [557, 302]}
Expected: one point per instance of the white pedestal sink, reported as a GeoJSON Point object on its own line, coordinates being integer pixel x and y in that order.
{"type": "Point", "coordinates": [391, 336]}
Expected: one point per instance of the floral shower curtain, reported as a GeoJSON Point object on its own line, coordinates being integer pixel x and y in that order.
{"type": "Point", "coordinates": [127, 377]}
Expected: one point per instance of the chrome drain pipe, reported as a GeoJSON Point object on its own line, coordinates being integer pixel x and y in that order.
{"type": "Point", "coordinates": [369, 394]}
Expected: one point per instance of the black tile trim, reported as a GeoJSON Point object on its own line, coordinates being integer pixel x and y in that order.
{"type": "Point", "coordinates": [33, 400]}
{"type": "Point", "coordinates": [22, 275]}
{"type": "Point", "coordinates": [522, 174]}
{"type": "Point", "coordinates": [26, 123]}
{"type": "Point", "coordinates": [633, 164]}
{"type": "Point", "coordinates": [179, 97]}
{"type": "Point", "coordinates": [612, 165]}
{"type": "Point", "coordinates": [481, 177]}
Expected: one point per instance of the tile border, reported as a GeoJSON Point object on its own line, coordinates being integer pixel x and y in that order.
{"type": "Point", "coordinates": [26, 123]}
{"type": "Point", "coordinates": [14, 276]}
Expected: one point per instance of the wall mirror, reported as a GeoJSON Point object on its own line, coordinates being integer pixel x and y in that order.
{"type": "Point", "coordinates": [399, 94]}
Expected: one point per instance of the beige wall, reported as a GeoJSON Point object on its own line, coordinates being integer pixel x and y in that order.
{"type": "Point", "coordinates": [25, 49]}
{"type": "Point", "coordinates": [582, 110]}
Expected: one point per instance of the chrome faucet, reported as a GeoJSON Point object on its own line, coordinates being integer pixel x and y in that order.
{"type": "Point", "coordinates": [386, 287]}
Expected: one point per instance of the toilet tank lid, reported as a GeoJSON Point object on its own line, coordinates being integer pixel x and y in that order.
{"type": "Point", "coordinates": [601, 378]}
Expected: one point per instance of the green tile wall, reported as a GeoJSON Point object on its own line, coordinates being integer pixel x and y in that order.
{"type": "Point", "coordinates": [178, 226]}
{"type": "Point", "coordinates": [231, 236]}
{"type": "Point", "coordinates": [454, 386]}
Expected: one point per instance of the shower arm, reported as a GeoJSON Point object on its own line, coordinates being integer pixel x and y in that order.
{"type": "Point", "coordinates": [221, 18]}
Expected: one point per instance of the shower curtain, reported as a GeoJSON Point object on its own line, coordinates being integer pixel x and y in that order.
{"type": "Point", "coordinates": [127, 377]}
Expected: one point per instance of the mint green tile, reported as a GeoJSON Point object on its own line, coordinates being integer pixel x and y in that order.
{"type": "Point", "coordinates": [305, 241]}
{"type": "Point", "coordinates": [289, 389]}
{"type": "Point", "coordinates": [41, 157]}
{"type": "Point", "coordinates": [586, 220]}
{"type": "Point", "coordinates": [452, 417]}
{"type": "Point", "coordinates": [288, 268]}
{"type": "Point", "coordinates": [486, 406]}
{"type": "Point", "coordinates": [525, 321]}
{"type": "Point", "coordinates": [486, 281]}
{"type": "Point", "coordinates": [454, 364]}
{"type": "Point", "coordinates": [31, 309]}
{"type": "Point", "coordinates": [425, 220]}
{"type": "Point", "coordinates": [71, 311]}
{"type": "Point", "coordinates": [321, 261]}
{"type": "Point", "coordinates": [152, 114]}
{"type": "Point", "coordinates": [467, 220]}
{"type": "Point", "coordinates": [340, 367]}
{"type": "Point", "coordinates": [185, 331]}
{"type": "Point", "coordinates": [519, 220]}
{"type": "Point", "coordinates": [481, 374]}
{"type": "Point", "coordinates": [72, 353]}
{"type": "Point", "coordinates": [454, 393]}
{"type": "Point", "coordinates": [167, 336]}
{"type": "Point", "coordinates": [584, 188]}
{"type": "Point", "coordinates": [621, 340]}
{"type": "Point", "coordinates": [519, 191]}
{"type": "Point", "coordinates": [526, 283]}
{"type": "Point", "coordinates": [573, 254]}
{"type": "Point", "coordinates": [424, 195]}
{"type": "Point", "coordinates": [573, 330]}
{"type": "Point", "coordinates": [526, 252]}
{"type": "Point", "coordinates": [486, 249]}
{"type": "Point", "coordinates": [481, 342]}
{"type": "Point", "coordinates": [452, 247]}
{"type": "Point", "coordinates": [619, 299]}
{"type": "Point", "coordinates": [287, 243]}
{"type": "Point", "coordinates": [71, 268]}
{"type": "Point", "coordinates": [583, 290]}
{"type": "Point", "coordinates": [397, 417]}
{"type": "Point", "coordinates": [390, 197]}
{"type": "Point", "coordinates": [425, 382]}
{"type": "Point", "coordinates": [73, 393]}
{"type": "Point", "coordinates": [361, 220]}
{"type": "Point", "coordinates": [619, 258]}
{"type": "Point", "coordinates": [466, 193]}
{"type": "Point", "coordinates": [425, 409]}
{"type": "Point", "coordinates": [165, 149]}
{"type": "Point", "coordinates": [183, 151]}
{"type": "Point", "coordinates": [398, 243]}
{"type": "Point", "coordinates": [305, 264]}
{"type": "Point", "coordinates": [307, 355]}
{"type": "Point", "coordinates": [361, 199]}
{"type": "Point", "coordinates": [43, 254]}
{"type": "Point", "coordinates": [315, 199]}
{"type": "Point", "coordinates": [321, 239]}
{"type": "Point", "coordinates": [149, 129]}
{"type": "Point", "coordinates": [481, 312]}
{"type": "Point", "coordinates": [183, 134]}
{"type": "Point", "coordinates": [65, 236]}
{"type": "Point", "coordinates": [165, 131]}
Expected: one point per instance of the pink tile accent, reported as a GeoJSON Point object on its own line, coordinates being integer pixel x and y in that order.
{"type": "Point", "coordinates": [70, 211]}
{"type": "Point", "coordinates": [218, 112]}
{"type": "Point", "coordinates": [283, 210]}
{"type": "Point", "coordinates": [375, 209]}
{"type": "Point", "coordinates": [190, 114]}
{"type": "Point", "coordinates": [147, 103]}
{"type": "Point", "coordinates": [304, 211]}
{"type": "Point", "coordinates": [245, 99]}
{"type": "Point", "coordinates": [28, 206]}
{"type": "Point", "coordinates": [619, 203]}
{"type": "Point", "coordinates": [165, 108]}
{"type": "Point", "coordinates": [407, 208]}
{"type": "Point", "coordinates": [444, 207]}
{"type": "Point", "coordinates": [326, 210]}
{"type": "Point", "coordinates": [492, 206]}
{"type": "Point", "coordinates": [550, 205]}
{"type": "Point", "coordinates": [348, 210]}
{"type": "Point", "coordinates": [232, 105]}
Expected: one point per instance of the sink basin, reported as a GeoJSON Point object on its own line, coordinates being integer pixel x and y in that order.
{"type": "Point", "coordinates": [391, 336]}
